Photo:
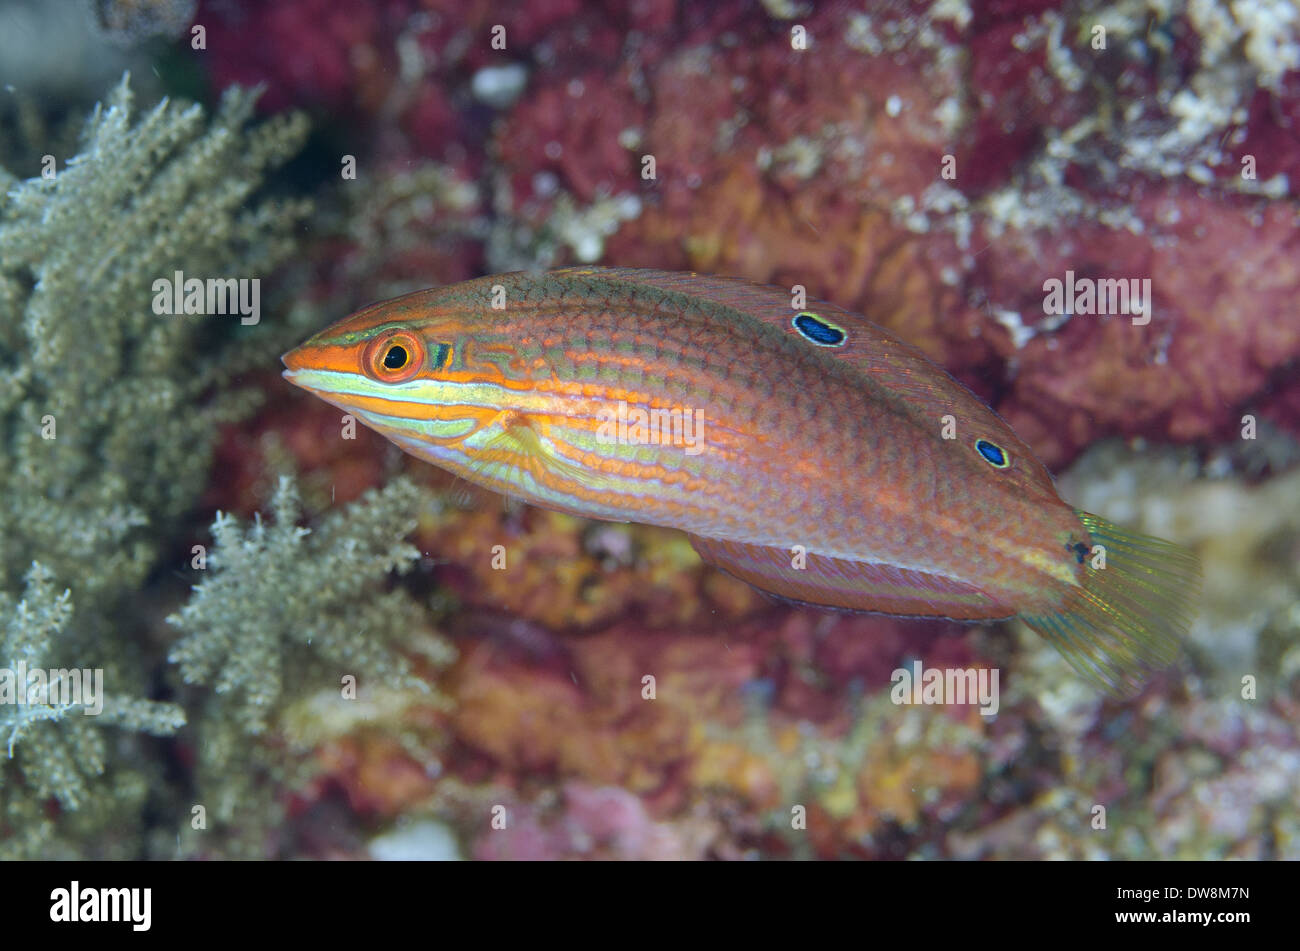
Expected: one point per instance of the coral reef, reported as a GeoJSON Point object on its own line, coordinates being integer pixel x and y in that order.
{"type": "Point", "coordinates": [608, 696]}
{"type": "Point", "coordinates": [825, 167]}
{"type": "Point", "coordinates": [594, 823]}
{"type": "Point", "coordinates": [565, 573]}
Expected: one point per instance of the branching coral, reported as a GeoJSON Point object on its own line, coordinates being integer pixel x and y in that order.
{"type": "Point", "coordinates": [56, 745]}
{"type": "Point", "coordinates": [108, 413]}
{"type": "Point", "coordinates": [102, 412]}
{"type": "Point", "coordinates": [284, 609]}
{"type": "Point", "coordinates": [276, 587]}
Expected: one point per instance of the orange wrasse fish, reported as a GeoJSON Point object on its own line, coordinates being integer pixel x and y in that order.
{"type": "Point", "coordinates": [809, 452]}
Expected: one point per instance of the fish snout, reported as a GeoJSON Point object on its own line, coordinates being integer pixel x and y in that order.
{"type": "Point", "coordinates": [297, 367]}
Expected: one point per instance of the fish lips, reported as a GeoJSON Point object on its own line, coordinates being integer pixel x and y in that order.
{"type": "Point", "coordinates": [296, 369]}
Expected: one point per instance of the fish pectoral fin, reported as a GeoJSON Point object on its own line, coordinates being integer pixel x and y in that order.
{"type": "Point", "coordinates": [849, 585]}
{"type": "Point", "coordinates": [522, 444]}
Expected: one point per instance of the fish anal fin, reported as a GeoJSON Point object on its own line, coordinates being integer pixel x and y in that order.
{"type": "Point", "coordinates": [850, 585]}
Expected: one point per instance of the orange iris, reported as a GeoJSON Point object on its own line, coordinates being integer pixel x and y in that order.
{"type": "Point", "coordinates": [393, 357]}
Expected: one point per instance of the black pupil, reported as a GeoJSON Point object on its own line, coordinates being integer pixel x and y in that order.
{"type": "Point", "coordinates": [395, 358]}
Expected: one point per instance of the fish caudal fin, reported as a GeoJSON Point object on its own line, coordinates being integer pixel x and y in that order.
{"type": "Point", "coordinates": [1131, 613]}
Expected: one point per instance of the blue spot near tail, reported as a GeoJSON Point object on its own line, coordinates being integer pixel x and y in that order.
{"type": "Point", "coordinates": [993, 453]}
{"type": "Point", "coordinates": [819, 331]}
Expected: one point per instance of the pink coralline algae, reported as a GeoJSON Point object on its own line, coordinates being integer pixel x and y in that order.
{"type": "Point", "coordinates": [595, 823]}
{"type": "Point", "coordinates": [1223, 271]}
{"type": "Point", "coordinates": [309, 53]}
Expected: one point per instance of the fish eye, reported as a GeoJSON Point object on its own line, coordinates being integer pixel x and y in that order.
{"type": "Point", "coordinates": [396, 357]}
{"type": "Point", "coordinates": [993, 454]}
{"type": "Point", "coordinates": [393, 357]}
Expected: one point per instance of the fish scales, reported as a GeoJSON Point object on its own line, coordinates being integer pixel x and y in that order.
{"type": "Point", "coordinates": [718, 371]}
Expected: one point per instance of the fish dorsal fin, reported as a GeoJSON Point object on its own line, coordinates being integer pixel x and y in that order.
{"type": "Point", "coordinates": [898, 367]}
{"type": "Point", "coordinates": [851, 585]}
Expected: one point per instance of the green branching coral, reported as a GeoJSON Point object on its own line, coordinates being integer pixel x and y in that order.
{"type": "Point", "coordinates": [278, 597]}
{"type": "Point", "coordinates": [57, 746]}
{"type": "Point", "coordinates": [108, 411]}
{"type": "Point", "coordinates": [108, 415]}
{"type": "Point", "coordinates": [283, 611]}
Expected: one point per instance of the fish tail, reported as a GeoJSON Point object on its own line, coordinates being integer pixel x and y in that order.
{"type": "Point", "coordinates": [1132, 612]}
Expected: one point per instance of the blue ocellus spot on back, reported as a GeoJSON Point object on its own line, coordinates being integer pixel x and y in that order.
{"type": "Point", "coordinates": [820, 331]}
{"type": "Point", "coordinates": [993, 454]}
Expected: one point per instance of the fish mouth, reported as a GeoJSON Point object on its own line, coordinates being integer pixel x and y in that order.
{"type": "Point", "coordinates": [297, 374]}
{"type": "Point", "coordinates": [309, 378]}
{"type": "Point", "coordinates": [303, 379]}
{"type": "Point", "coordinates": [295, 370]}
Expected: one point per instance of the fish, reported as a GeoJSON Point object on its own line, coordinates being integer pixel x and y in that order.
{"type": "Point", "coordinates": [802, 448]}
